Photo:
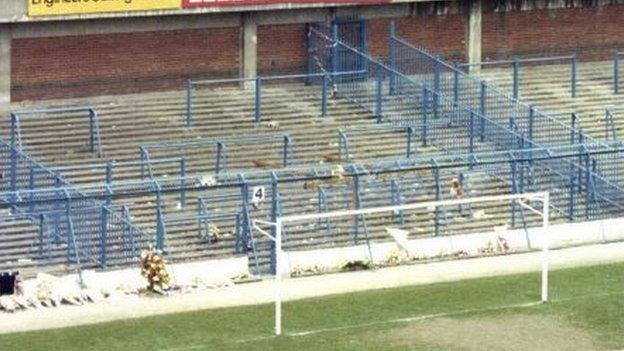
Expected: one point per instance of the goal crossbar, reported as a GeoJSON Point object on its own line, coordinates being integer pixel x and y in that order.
{"type": "Point", "coordinates": [537, 196]}
{"type": "Point", "coordinates": [542, 197]}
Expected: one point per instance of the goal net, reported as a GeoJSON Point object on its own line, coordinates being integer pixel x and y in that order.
{"type": "Point", "coordinates": [334, 239]}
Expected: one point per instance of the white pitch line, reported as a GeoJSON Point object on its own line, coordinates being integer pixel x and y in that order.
{"type": "Point", "coordinates": [402, 320]}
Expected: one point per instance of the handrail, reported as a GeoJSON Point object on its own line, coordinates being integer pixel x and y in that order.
{"type": "Point", "coordinates": [616, 71]}
{"type": "Point", "coordinates": [515, 64]}
{"type": "Point", "coordinates": [95, 140]}
{"type": "Point", "coordinates": [610, 123]}
{"type": "Point", "coordinates": [519, 60]}
{"type": "Point", "coordinates": [190, 83]}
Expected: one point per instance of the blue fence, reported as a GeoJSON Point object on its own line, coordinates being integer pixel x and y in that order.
{"type": "Point", "coordinates": [579, 190]}
{"type": "Point", "coordinates": [440, 92]}
{"type": "Point", "coordinates": [92, 232]}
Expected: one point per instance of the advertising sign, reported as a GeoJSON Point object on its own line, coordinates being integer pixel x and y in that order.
{"type": "Point", "coordinates": [72, 7]}
{"type": "Point", "coordinates": [219, 3]}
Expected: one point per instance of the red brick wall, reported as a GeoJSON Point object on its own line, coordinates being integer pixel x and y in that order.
{"type": "Point", "coordinates": [591, 32]}
{"type": "Point", "coordinates": [442, 34]}
{"type": "Point", "coordinates": [282, 49]}
{"type": "Point", "coordinates": [73, 66]}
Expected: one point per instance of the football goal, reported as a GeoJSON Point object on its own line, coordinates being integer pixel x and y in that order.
{"type": "Point", "coordinates": [410, 232]}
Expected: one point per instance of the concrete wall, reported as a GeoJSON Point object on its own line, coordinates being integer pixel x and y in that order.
{"type": "Point", "coordinates": [466, 245]}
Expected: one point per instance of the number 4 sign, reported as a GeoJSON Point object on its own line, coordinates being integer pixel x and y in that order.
{"type": "Point", "coordinates": [257, 195]}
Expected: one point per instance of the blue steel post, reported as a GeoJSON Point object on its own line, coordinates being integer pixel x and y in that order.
{"type": "Point", "coordinates": [378, 92]}
{"type": "Point", "coordinates": [42, 224]}
{"type": "Point", "coordinates": [392, 58]}
{"type": "Point", "coordinates": [410, 133]}
{"type": "Point", "coordinates": [482, 110]}
{"type": "Point", "coordinates": [182, 181]}
{"type": "Point", "coordinates": [275, 209]}
{"type": "Point", "coordinates": [572, 128]}
{"type": "Point", "coordinates": [160, 224]}
{"type": "Point", "coordinates": [587, 185]}
{"type": "Point", "coordinates": [516, 78]}
{"type": "Point", "coordinates": [238, 230]}
{"type": "Point", "coordinates": [471, 140]}
{"type": "Point", "coordinates": [396, 199]}
{"type": "Point", "coordinates": [571, 191]}
{"type": "Point", "coordinates": [286, 147]}
{"type": "Point", "coordinates": [324, 95]}
{"type": "Point", "coordinates": [220, 151]}
{"type": "Point", "coordinates": [531, 122]}
{"type": "Point", "coordinates": [70, 243]}
{"type": "Point", "coordinates": [91, 130]}
{"type": "Point", "coordinates": [258, 100]}
{"type": "Point", "coordinates": [125, 215]}
{"type": "Point", "coordinates": [522, 175]}
{"type": "Point", "coordinates": [425, 101]}
{"type": "Point", "coordinates": [189, 102]}
{"type": "Point", "coordinates": [436, 176]}
{"type": "Point", "coordinates": [334, 49]}
{"type": "Point", "coordinates": [514, 187]}
{"type": "Point", "coordinates": [358, 204]}
{"type": "Point", "coordinates": [616, 72]}
{"type": "Point", "coordinates": [143, 159]}
{"type": "Point", "coordinates": [103, 235]}
{"type": "Point", "coordinates": [108, 176]}
{"type": "Point", "coordinates": [13, 176]}
{"type": "Point", "coordinates": [456, 87]}
{"type": "Point", "coordinates": [581, 139]}
{"type": "Point", "coordinates": [56, 210]}
{"type": "Point", "coordinates": [436, 88]}
{"type": "Point", "coordinates": [14, 130]}
{"type": "Point", "coordinates": [31, 187]}
{"type": "Point", "coordinates": [573, 75]}
{"type": "Point", "coordinates": [594, 170]}
{"type": "Point", "coordinates": [108, 182]}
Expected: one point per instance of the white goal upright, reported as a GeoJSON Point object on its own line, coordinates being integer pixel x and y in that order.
{"type": "Point", "coordinates": [535, 204]}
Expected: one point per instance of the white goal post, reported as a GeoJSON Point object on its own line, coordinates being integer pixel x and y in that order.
{"type": "Point", "coordinates": [520, 199]}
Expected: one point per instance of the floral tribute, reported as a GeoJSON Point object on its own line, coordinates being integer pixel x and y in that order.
{"type": "Point", "coordinates": [153, 267]}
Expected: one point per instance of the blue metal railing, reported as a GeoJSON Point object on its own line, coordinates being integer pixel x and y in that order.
{"type": "Point", "coordinates": [610, 130]}
{"type": "Point", "coordinates": [94, 139]}
{"type": "Point", "coordinates": [260, 83]}
{"type": "Point", "coordinates": [617, 55]}
{"type": "Point", "coordinates": [85, 223]}
{"type": "Point", "coordinates": [446, 92]}
{"type": "Point", "coordinates": [517, 62]}
{"type": "Point", "coordinates": [277, 151]}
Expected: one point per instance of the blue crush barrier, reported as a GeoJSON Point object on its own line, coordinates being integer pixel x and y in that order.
{"type": "Point", "coordinates": [255, 89]}
{"type": "Point", "coordinates": [91, 136]}
{"type": "Point", "coordinates": [217, 155]}
{"type": "Point", "coordinates": [516, 63]}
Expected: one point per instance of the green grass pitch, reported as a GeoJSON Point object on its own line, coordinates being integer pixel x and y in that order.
{"type": "Point", "coordinates": [586, 313]}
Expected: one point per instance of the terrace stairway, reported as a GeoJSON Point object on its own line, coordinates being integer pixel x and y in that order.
{"type": "Point", "coordinates": [128, 122]}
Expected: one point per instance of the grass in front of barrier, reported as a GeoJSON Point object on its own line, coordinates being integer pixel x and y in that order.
{"type": "Point", "coordinates": [586, 313]}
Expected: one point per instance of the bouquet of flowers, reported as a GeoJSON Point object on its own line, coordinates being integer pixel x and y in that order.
{"type": "Point", "coordinates": [153, 267]}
